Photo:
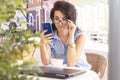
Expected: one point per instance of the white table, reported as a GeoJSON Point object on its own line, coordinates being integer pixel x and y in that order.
{"type": "Point", "coordinates": [88, 75]}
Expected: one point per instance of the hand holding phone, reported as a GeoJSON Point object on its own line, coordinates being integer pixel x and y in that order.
{"type": "Point", "coordinates": [48, 27]}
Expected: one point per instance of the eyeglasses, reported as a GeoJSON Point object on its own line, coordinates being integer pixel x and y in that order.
{"type": "Point", "coordinates": [63, 21]}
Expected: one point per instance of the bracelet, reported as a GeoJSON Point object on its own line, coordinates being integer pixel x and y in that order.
{"type": "Point", "coordinates": [72, 45]}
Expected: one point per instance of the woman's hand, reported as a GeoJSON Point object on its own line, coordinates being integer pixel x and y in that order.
{"type": "Point", "coordinates": [45, 38]}
{"type": "Point", "coordinates": [71, 28]}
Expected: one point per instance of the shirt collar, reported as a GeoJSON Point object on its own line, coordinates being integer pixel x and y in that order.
{"type": "Point", "coordinates": [56, 37]}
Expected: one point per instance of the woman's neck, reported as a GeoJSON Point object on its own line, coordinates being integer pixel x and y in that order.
{"type": "Point", "coordinates": [63, 36]}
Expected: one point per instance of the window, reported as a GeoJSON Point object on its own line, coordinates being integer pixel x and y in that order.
{"type": "Point", "coordinates": [86, 17]}
{"type": "Point", "coordinates": [31, 20]}
{"type": "Point", "coordinates": [92, 18]}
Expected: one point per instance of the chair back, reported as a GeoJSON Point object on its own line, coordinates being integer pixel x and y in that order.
{"type": "Point", "coordinates": [98, 62]}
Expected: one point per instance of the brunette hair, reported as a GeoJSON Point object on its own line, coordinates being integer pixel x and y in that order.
{"type": "Point", "coordinates": [66, 8]}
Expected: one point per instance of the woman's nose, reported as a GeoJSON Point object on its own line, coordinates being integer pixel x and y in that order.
{"type": "Point", "coordinates": [60, 23]}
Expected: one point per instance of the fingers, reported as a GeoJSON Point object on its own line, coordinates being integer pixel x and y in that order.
{"type": "Point", "coordinates": [46, 38]}
{"type": "Point", "coordinates": [71, 25]}
{"type": "Point", "coordinates": [43, 32]}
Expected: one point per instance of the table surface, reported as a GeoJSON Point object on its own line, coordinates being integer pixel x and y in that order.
{"type": "Point", "coordinates": [88, 75]}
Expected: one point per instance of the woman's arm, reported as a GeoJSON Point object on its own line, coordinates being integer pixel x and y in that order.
{"type": "Point", "coordinates": [45, 48]}
{"type": "Point", "coordinates": [75, 50]}
{"type": "Point", "coordinates": [45, 53]}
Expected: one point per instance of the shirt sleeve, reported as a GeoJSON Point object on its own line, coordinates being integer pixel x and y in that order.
{"type": "Point", "coordinates": [77, 33]}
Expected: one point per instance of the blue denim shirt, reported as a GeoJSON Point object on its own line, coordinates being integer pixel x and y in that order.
{"type": "Point", "coordinates": [58, 50]}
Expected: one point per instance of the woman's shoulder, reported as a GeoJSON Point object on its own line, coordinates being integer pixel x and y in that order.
{"type": "Point", "coordinates": [78, 32]}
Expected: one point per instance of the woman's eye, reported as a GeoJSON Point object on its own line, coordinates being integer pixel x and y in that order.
{"type": "Point", "coordinates": [57, 18]}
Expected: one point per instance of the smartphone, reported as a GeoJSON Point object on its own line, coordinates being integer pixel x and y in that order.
{"type": "Point", "coordinates": [48, 27]}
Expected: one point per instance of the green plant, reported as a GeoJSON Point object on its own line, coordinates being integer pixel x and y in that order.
{"type": "Point", "coordinates": [14, 42]}
{"type": "Point", "coordinates": [12, 47]}
{"type": "Point", "coordinates": [8, 8]}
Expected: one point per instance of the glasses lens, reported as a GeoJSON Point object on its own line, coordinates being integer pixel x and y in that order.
{"type": "Point", "coordinates": [56, 21]}
{"type": "Point", "coordinates": [64, 21]}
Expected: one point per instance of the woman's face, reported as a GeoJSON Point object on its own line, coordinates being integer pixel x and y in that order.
{"type": "Point", "coordinates": [60, 20]}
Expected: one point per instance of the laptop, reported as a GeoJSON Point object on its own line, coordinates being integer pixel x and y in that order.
{"type": "Point", "coordinates": [53, 72]}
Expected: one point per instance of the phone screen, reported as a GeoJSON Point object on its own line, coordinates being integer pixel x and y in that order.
{"type": "Point", "coordinates": [48, 27]}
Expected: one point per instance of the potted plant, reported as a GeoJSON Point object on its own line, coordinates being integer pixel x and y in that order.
{"type": "Point", "coordinates": [15, 44]}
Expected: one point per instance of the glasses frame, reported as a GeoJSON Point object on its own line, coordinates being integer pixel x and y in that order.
{"type": "Point", "coordinates": [63, 21]}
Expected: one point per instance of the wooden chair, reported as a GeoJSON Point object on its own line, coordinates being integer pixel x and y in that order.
{"type": "Point", "coordinates": [98, 62]}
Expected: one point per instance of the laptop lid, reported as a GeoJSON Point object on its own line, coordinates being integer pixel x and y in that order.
{"type": "Point", "coordinates": [53, 72]}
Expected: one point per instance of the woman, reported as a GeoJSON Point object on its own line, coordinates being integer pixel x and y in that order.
{"type": "Point", "coordinates": [68, 41]}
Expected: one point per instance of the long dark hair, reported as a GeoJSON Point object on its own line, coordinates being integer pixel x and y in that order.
{"type": "Point", "coordinates": [66, 8]}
